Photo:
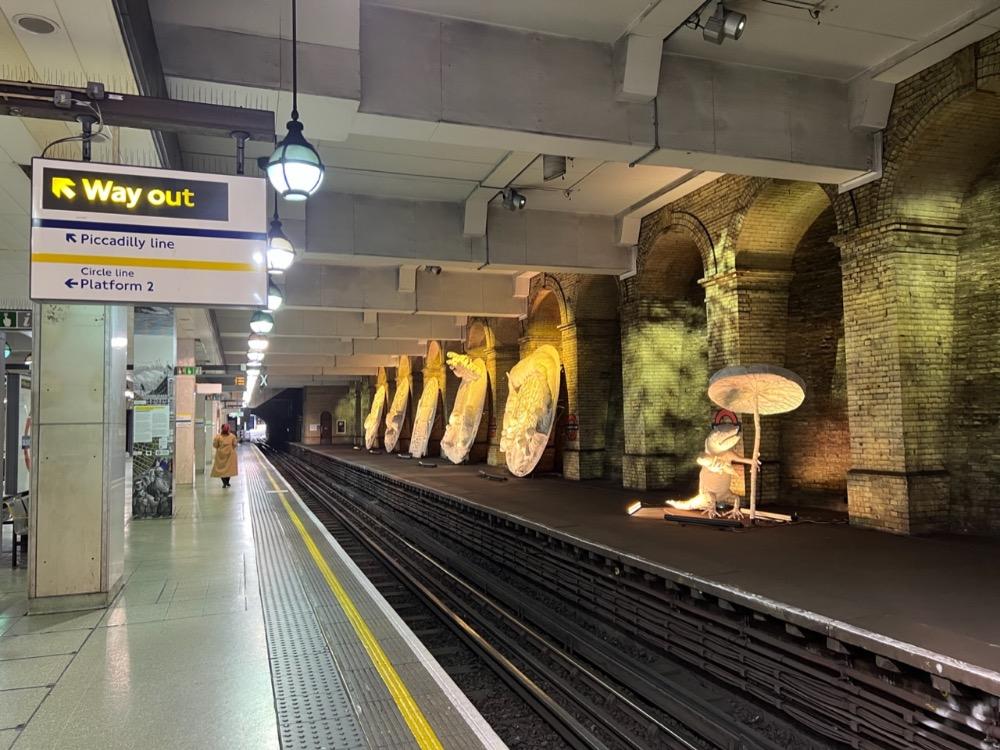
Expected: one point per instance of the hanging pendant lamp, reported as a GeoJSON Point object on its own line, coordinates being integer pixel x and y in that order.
{"type": "Point", "coordinates": [280, 251]}
{"type": "Point", "coordinates": [257, 342]}
{"type": "Point", "coordinates": [261, 322]}
{"type": "Point", "coordinates": [274, 296]}
{"type": "Point", "coordinates": [295, 169]}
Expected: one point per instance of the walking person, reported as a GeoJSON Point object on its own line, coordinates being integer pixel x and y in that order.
{"type": "Point", "coordinates": [224, 465]}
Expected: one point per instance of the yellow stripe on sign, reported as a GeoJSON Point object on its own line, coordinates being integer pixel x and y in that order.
{"type": "Point", "coordinates": [414, 717]}
{"type": "Point", "coordinates": [105, 260]}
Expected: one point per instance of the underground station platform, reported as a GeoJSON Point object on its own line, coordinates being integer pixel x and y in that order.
{"type": "Point", "coordinates": [882, 618]}
{"type": "Point", "coordinates": [246, 625]}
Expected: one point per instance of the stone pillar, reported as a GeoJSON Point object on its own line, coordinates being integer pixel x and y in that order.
{"type": "Point", "coordinates": [899, 281]}
{"type": "Point", "coordinates": [664, 381]}
{"type": "Point", "coordinates": [590, 353]}
{"type": "Point", "coordinates": [184, 410]}
{"type": "Point", "coordinates": [154, 359]}
{"type": "Point", "coordinates": [499, 361]}
{"type": "Point", "coordinates": [748, 317]}
{"type": "Point", "coordinates": [76, 514]}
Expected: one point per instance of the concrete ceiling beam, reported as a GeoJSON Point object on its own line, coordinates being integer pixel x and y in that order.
{"type": "Point", "coordinates": [360, 230]}
{"type": "Point", "coordinates": [550, 94]}
{"type": "Point", "coordinates": [377, 289]}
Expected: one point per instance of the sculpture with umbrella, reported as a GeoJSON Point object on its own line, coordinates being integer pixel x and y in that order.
{"type": "Point", "coordinates": [758, 390]}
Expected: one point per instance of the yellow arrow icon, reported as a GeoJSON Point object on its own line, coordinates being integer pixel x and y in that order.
{"type": "Point", "coordinates": [62, 187]}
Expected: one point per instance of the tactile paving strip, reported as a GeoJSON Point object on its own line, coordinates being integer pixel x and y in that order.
{"type": "Point", "coordinates": [313, 705]}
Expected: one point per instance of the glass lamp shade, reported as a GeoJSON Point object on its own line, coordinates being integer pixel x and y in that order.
{"type": "Point", "coordinates": [256, 342]}
{"type": "Point", "coordinates": [280, 251]}
{"type": "Point", "coordinates": [261, 322]}
{"type": "Point", "coordinates": [253, 356]}
{"type": "Point", "coordinates": [7, 351]}
{"type": "Point", "coordinates": [295, 169]}
{"type": "Point", "coordinates": [274, 296]}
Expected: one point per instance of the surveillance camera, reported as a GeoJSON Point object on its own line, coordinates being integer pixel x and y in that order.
{"type": "Point", "coordinates": [513, 200]}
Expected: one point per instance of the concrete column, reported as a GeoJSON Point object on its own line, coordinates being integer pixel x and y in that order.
{"type": "Point", "coordinates": [213, 423]}
{"type": "Point", "coordinates": [184, 411]}
{"type": "Point", "coordinates": [154, 359]}
{"type": "Point", "coordinates": [200, 432]}
{"type": "Point", "coordinates": [499, 361]}
{"type": "Point", "coordinates": [76, 518]}
{"type": "Point", "coordinates": [899, 281]}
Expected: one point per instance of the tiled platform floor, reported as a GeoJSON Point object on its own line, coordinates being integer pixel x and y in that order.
{"type": "Point", "coordinates": [180, 660]}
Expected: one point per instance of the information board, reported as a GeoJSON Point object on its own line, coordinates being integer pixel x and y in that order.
{"type": "Point", "coordinates": [103, 233]}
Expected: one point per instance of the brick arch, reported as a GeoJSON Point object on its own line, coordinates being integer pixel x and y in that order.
{"type": "Point", "coordinates": [780, 214]}
{"type": "Point", "coordinates": [593, 298]}
{"type": "Point", "coordinates": [674, 260]}
{"type": "Point", "coordinates": [479, 335]}
{"type": "Point", "coordinates": [541, 288]}
{"type": "Point", "coordinates": [941, 158]}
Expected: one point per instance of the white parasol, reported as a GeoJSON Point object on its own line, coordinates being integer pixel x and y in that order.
{"type": "Point", "coordinates": [757, 390]}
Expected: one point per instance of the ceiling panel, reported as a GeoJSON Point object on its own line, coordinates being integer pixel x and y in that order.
{"type": "Point", "coordinates": [331, 22]}
{"type": "Point", "coordinates": [584, 19]}
{"type": "Point", "coordinates": [851, 36]}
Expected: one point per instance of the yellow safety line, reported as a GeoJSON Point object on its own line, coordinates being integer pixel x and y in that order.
{"type": "Point", "coordinates": [414, 717]}
{"type": "Point", "coordinates": [107, 260]}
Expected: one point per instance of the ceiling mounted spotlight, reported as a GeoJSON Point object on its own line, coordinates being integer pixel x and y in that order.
{"type": "Point", "coordinates": [723, 23]}
{"type": "Point", "coordinates": [253, 356]}
{"type": "Point", "coordinates": [261, 322]}
{"type": "Point", "coordinates": [257, 342]}
{"type": "Point", "coordinates": [295, 169]}
{"type": "Point", "coordinates": [513, 200]}
{"type": "Point", "coordinates": [35, 24]}
{"type": "Point", "coordinates": [274, 296]}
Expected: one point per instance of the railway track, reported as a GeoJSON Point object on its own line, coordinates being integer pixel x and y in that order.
{"type": "Point", "coordinates": [838, 695]}
{"type": "Point", "coordinates": [590, 692]}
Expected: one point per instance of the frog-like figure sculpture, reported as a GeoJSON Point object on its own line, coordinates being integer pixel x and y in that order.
{"type": "Point", "coordinates": [374, 418]}
{"type": "Point", "coordinates": [717, 470]}
{"type": "Point", "coordinates": [467, 413]}
{"type": "Point", "coordinates": [396, 415]}
{"type": "Point", "coordinates": [531, 409]}
{"type": "Point", "coordinates": [423, 423]}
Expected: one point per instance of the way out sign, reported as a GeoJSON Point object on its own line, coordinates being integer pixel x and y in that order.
{"type": "Point", "coordinates": [105, 233]}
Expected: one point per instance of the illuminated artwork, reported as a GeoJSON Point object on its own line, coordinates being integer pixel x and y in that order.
{"type": "Point", "coordinates": [530, 413]}
{"type": "Point", "coordinates": [424, 421]}
{"type": "Point", "coordinates": [374, 418]}
{"type": "Point", "coordinates": [717, 470]}
{"type": "Point", "coordinates": [463, 424]}
{"type": "Point", "coordinates": [397, 410]}
{"type": "Point", "coordinates": [757, 390]}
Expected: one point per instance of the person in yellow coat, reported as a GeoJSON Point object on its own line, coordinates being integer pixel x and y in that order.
{"type": "Point", "coordinates": [224, 465]}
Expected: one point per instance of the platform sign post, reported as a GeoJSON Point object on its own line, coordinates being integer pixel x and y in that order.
{"type": "Point", "coordinates": [113, 234]}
